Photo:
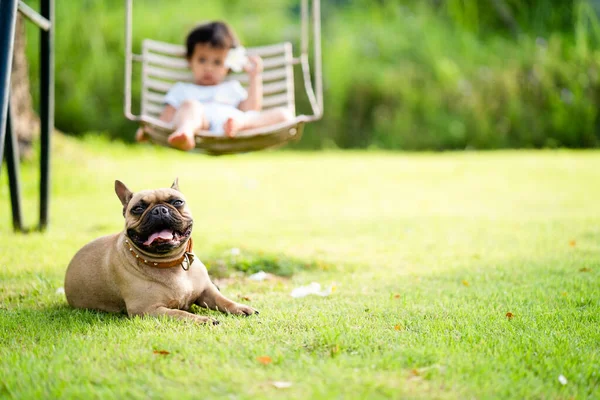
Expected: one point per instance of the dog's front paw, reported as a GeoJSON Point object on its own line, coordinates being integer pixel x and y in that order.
{"type": "Point", "coordinates": [240, 309]}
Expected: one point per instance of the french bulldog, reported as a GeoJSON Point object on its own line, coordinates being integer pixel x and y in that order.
{"type": "Point", "coordinates": [150, 267]}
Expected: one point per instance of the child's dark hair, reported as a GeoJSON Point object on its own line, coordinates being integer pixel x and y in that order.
{"type": "Point", "coordinates": [216, 34]}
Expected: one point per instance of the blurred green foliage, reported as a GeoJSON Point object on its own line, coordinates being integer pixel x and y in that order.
{"type": "Point", "coordinates": [399, 74]}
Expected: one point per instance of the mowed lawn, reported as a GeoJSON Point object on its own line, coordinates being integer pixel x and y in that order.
{"type": "Point", "coordinates": [456, 275]}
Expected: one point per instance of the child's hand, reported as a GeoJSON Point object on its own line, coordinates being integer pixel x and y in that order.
{"type": "Point", "coordinates": [254, 66]}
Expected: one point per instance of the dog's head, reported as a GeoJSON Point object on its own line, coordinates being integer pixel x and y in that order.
{"type": "Point", "coordinates": [157, 221]}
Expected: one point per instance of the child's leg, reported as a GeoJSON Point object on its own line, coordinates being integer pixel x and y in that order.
{"type": "Point", "coordinates": [237, 124]}
{"type": "Point", "coordinates": [140, 136]}
{"type": "Point", "coordinates": [188, 119]}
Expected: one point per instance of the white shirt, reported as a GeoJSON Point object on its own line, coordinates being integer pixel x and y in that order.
{"type": "Point", "coordinates": [227, 93]}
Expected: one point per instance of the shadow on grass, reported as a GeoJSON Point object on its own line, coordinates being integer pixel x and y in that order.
{"type": "Point", "coordinates": [222, 264]}
{"type": "Point", "coordinates": [31, 308]}
{"type": "Point", "coordinates": [54, 318]}
{"type": "Point", "coordinates": [55, 323]}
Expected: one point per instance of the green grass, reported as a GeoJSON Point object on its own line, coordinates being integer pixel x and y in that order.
{"type": "Point", "coordinates": [428, 253]}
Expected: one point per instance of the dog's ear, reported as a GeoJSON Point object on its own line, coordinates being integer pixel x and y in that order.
{"type": "Point", "coordinates": [175, 185]}
{"type": "Point", "coordinates": [123, 193]}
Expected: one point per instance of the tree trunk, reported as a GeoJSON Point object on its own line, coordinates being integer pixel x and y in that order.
{"type": "Point", "coordinates": [25, 122]}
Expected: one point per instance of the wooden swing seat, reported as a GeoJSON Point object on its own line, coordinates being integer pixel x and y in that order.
{"type": "Point", "coordinates": [164, 64]}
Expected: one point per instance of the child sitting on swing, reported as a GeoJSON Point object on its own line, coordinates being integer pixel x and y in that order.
{"type": "Point", "coordinates": [211, 103]}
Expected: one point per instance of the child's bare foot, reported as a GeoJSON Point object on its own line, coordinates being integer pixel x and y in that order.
{"type": "Point", "coordinates": [140, 135]}
{"type": "Point", "coordinates": [232, 126]}
{"type": "Point", "coordinates": [181, 140]}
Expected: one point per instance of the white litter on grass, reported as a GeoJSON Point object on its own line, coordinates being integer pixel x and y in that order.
{"type": "Point", "coordinates": [281, 384]}
{"type": "Point", "coordinates": [259, 276]}
{"type": "Point", "coordinates": [60, 290]}
{"type": "Point", "coordinates": [562, 380]}
{"type": "Point", "coordinates": [313, 288]}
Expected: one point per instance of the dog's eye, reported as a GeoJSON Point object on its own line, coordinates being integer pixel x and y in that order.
{"type": "Point", "coordinates": [137, 210]}
{"type": "Point", "coordinates": [177, 203]}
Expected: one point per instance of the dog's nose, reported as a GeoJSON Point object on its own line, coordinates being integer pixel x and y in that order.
{"type": "Point", "coordinates": [160, 210]}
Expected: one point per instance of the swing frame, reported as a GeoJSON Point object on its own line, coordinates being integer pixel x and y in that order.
{"type": "Point", "coordinates": [250, 140]}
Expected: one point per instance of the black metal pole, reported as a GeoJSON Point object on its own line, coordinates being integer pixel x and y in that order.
{"type": "Point", "coordinates": [46, 107]}
{"type": "Point", "coordinates": [12, 167]}
{"type": "Point", "coordinates": [8, 19]}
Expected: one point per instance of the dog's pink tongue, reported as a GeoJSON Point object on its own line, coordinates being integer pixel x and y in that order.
{"type": "Point", "coordinates": [164, 234]}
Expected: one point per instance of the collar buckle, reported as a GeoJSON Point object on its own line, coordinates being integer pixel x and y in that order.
{"type": "Point", "coordinates": [188, 259]}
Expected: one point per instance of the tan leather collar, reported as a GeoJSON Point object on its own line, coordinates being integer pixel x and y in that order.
{"type": "Point", "coordinates": [185, 260]}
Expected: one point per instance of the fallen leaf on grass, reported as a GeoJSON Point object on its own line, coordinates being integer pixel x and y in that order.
{"type": "Point", "coordinates": [398, 327]}
{"type": "Point", "coordinates": [265, 360]}
{"type": "Point", "coordinates": [161, 352]}
{"type": "Point", "coordinates": [465, 283]}
{"type": "Point", "coordinates": [334, 350]}
{"type": "Point", "coordinates": [414, 374]}
{"type": "Point", "coordinates": [572, 243]}
{"type": "Point", "coordinates": [396, 296]}
{"type": "Point", "coordinates": [245, 298]}
{"type": "Point", "coordinates": [281, 384]}
{"type": "Point", "coordinates": [585, 269]}
{"type": "Point", "coordinates": [509, 315]}
{"type": "Point", "coordinates": [419, 373]}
